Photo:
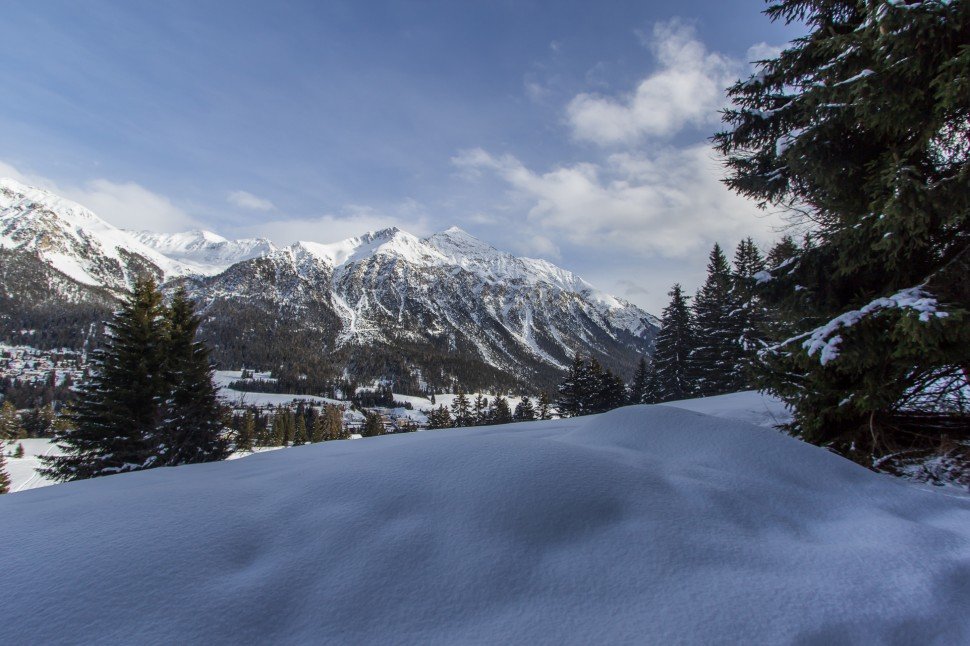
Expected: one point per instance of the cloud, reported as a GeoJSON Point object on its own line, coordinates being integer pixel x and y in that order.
{"type": "Point", "coordinates": [686, 89]}
{"type": "Point", "coordinates": [669, 202]}
{"type": "Point", "coordinates": [246, 200]}
{"type": "Point", "coordinates": [763, 51]}
{"type": "Point", "coordinates": [126, 205]}
{"type": "Point", "coordinates": [353, 221]}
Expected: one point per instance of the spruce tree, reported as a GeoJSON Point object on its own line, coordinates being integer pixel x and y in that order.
{"type": "Point", "coordinates": [638, 387]}
{"type": "Point", "coordinates": [246, 436]}
{"type": "Point", "coordinates": [672, 348]}
{"type": "Point", "coordinates": [191, 429]}
{"type": "Point", "coordinates": [461, 410]}
{"type": "Point", "coordinates": [300, 435]}
{"type": "Point", "coordinates": [713, 357]}
{"type": "Point", "coordinates": [10, 425]}
{"type": "Point", "coordinates": [500, 413]}
{"type": "Point", "coordinates": [4, 476]}
{"type": "Point", "coordinates": [862, 128]}
{"type": "Point", "coordinates": [544, 410]}
{"type": "Point", "coordinates": [525, 411]}
{"type": "Point", "coordinates": [480, 410]}
{"type": "Point", "coordinates": [120, 406]}
{"type": "Point", "coordinates": [439, 418]}
{"type": "Point", "coordinates": [748, 317]}
{"type": "Point", "coordinates": [571, 393]}
{"type": "Point", "coordinates": [373, 424]}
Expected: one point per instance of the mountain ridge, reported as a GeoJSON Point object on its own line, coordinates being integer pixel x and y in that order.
{"type": "Point", "coordinates": [386, 303]}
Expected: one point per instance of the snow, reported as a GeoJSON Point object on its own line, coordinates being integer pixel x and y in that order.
{"type": "Point", "coordinates": [205, 252]}
{"type": "Point", "coordinates": [642, 525]}
{"type": "Point", "coordinates": [23, 471]}
{"type": "Point", "coordinates": [749, 406]}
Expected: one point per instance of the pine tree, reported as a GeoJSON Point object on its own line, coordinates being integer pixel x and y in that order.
{"type": "Point", "coordinates": [4, 476]}
{"type": "Point", "coordinates": [191, 429]}
{"type": "Point", "coordinates": [461, 410]}
{"type": "Point", "coordinates": [545, 407]}
{"type": "Point", "coordinates": [439, 418]}
{"type": "Point", "coordinates": [571, 393]}
{"type": "Point", "coordinates": [610, 394]}
{"type": "Point", "coordinates": [861, 128]}
{"type": "Point", "coordinates": [247, 432]}
{"type": "Point", "coordinates": [10, 426]}
{"type": "Point", "coordinates": [748, 317]}
{"type": "Point", "coordinates": [525, 411]}
{"type": "Point", "coordinates": [373, 425]}
{"type": "Point", "coordinates": [500, 413]}
{"type": "Point", "coordinates": [300, 435]}
{"type": "Point", "coordinates": [713, 357]}
{"type": "Point", "coordinates": [480, 410]}
{"type": "Point", "coordinates": [120, 406]}
{"type": "Point", "coordinates": [638, 387]}
{"type": "Point", "coordinates": [19, 451]}
{"type": "Point", "coordinates": [672, 348]}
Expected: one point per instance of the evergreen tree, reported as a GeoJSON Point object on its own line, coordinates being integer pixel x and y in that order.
{"type": "Point", "coordinates": [545, 407]}
{"type": "Point", "coordinates": [247, 432]}
{"type": "Point", "coordinates": [673, 345]}
{"type": "Point", "coordinates": [191, 428]}
{"type": "Point", "coordinates": [4, 476]}
{"type": "Point", "coordinates": [373, 424]}
{"type": "Point", "coordinates": [10, 425]}
{"type": "Point", "coordinates": [480, 410]}
{"type": "Point", "coordinates": [500, 412]}
{"type": "Point", "coordinates": [120, 406]}
{"type": "Point", "coordinates": [19, 451]}
{"type": "Point", "coordinates": [439, 418]}
{"type": "Point", "coordinates": [713, 356]}
{"type": "Point", "coordinates": [571, 390]}
{"type": "Point", "coordinates": [525, 411]}
{"type": "Point", "coordinates": [461, 410]}
{"type": "Point", "coordinates": [638, 387]}
{"type": "Point", "coordinates": [610, 393]}
{"type": "Point", "coordinates": [862, 125]}
{"type": "Point", "coordinates": [748, 317]}
{"type": "Point", "coordinates": [300, 435]}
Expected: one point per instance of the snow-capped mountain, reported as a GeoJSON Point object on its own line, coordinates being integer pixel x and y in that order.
{"type": "Point", "coordinates": [202, 251]}
{"type": "Point", "coordinates": [74, 241]}
{"type": "Point", "coordinates": [448, 306]}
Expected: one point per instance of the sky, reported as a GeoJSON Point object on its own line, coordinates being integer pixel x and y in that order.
{"type": "Point", "coordinates": [572, 131]}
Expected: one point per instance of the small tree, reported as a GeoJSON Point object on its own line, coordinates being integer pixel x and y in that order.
{"type": "Point", "coordinates": [500, 412]}
{"type": "Point", "coordinates": [373, 425]}
{"type": "Point", "coordinates": [545, 407]}
{"type": "Point", "coordinates": [713, 356]}
{"type": "Point", "coordinates": [480, 410]}
{"type": "Point", "coordinates": [10, 426]}
{"type": "Point", "coordinates": [525, 411]}
{"type": "Point", "coordinates": [638, 387]}
{"type": "Point", "coordinates": [461, 410]}
{"type": "Point", "coordinates": [19, 451]}
{"type": "Point", "coordinates": [671, 358]}
{"type": "Point", "coordinates": [4, 476]}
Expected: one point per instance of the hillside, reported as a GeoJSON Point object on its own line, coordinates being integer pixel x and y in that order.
{"type": "Point", "coordinates": [647, 524]}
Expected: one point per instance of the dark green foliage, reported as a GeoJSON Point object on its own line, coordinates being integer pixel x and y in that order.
{"type": "Point", "coordinates": [525, 411]}
{"type": "Point", "coordinates": [671, 357]}
{"type": "Point", "coordinates": [439, 418]}
{"type": "Point", "coordinates": [862, 128]}
{"type": "Point", "coordinates": [461, 413]}
{"type": "Point", "coordinates": [11, 426]}
{"type": "Point", "coordinates": [589, 389]}
{"type": "Point", "coordinates": [713, 356]}
{"type": "Point", "coordinates": [500, 412]}
{"type": "Point", "coordinates": [246, 435]}
{"type": "Point", "coordinates": [19, 451]}
{"type": "Point", "coordinates": [143, 378]}
{"type": "Point", "coordinates": [544, 411]}
{"type": "Point", "coordinates": [480, 410]}
{"type": "Point", "coordinates": [191, 428]}
{"type": "Point", "coordinates": [641, 381]}
{"type": "Point", "coordinates": [4, 476]}
{"type": "Point", "coordinates": [746, 323]}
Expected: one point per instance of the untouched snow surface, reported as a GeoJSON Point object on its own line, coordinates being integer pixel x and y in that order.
{"type": "Point", "coordinates": [648, 524]}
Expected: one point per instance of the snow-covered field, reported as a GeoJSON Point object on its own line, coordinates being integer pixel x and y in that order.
{"type": "Point", "coordinates": [646, 525]}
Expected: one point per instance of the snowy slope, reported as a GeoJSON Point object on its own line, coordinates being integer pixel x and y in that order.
{"type": "Point", "coordinates": [204, 252]}
{"type": "Point", "coordinates": [646, 525]}
{"type": "Point", "coordinates": [75, 241]}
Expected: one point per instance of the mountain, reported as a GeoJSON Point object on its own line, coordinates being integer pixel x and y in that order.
{"type": "Point", "coordinates": [204, 252]}
{"type": "Point", "coordinates": [385, 305]}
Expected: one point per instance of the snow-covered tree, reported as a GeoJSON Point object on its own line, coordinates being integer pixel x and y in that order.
{"type": "Point", "coordinates": [672, 348]}
{"type": "Point", "coordinates": [861, 129]}
{"type": "Point", "coordinates": [713, 356]}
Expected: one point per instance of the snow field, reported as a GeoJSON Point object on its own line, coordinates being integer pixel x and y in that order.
{"type": "Point", "coordinates": [648, 524]}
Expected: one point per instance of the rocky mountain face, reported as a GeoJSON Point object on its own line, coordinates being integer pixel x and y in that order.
{"type": "Point", "coordinates": [423, 312]}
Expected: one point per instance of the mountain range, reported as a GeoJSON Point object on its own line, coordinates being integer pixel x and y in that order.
{"type": "Point", "coordinates": [423, 312]}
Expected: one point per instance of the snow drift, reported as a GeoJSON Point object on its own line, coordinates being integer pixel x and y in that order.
{"type": "Point", "coordinates": [648, 524]}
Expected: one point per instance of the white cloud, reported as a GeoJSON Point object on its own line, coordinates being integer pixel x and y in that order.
{"type": "Point", "coordinates": [686, 89]}
{"type": "Point", "coordinates": [353, 221]}
{"type": "Point", "coordinates": [763, 51]}
{"type": "Point", "coordinates": [126, 205]}
{"type": "Point", "coordinates": [670, 202]}
{"type": "Point", "coordinates": [246, 200]}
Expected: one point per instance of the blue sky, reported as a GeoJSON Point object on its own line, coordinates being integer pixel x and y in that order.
{"type": "Point", "coordinates": [572, 131]}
